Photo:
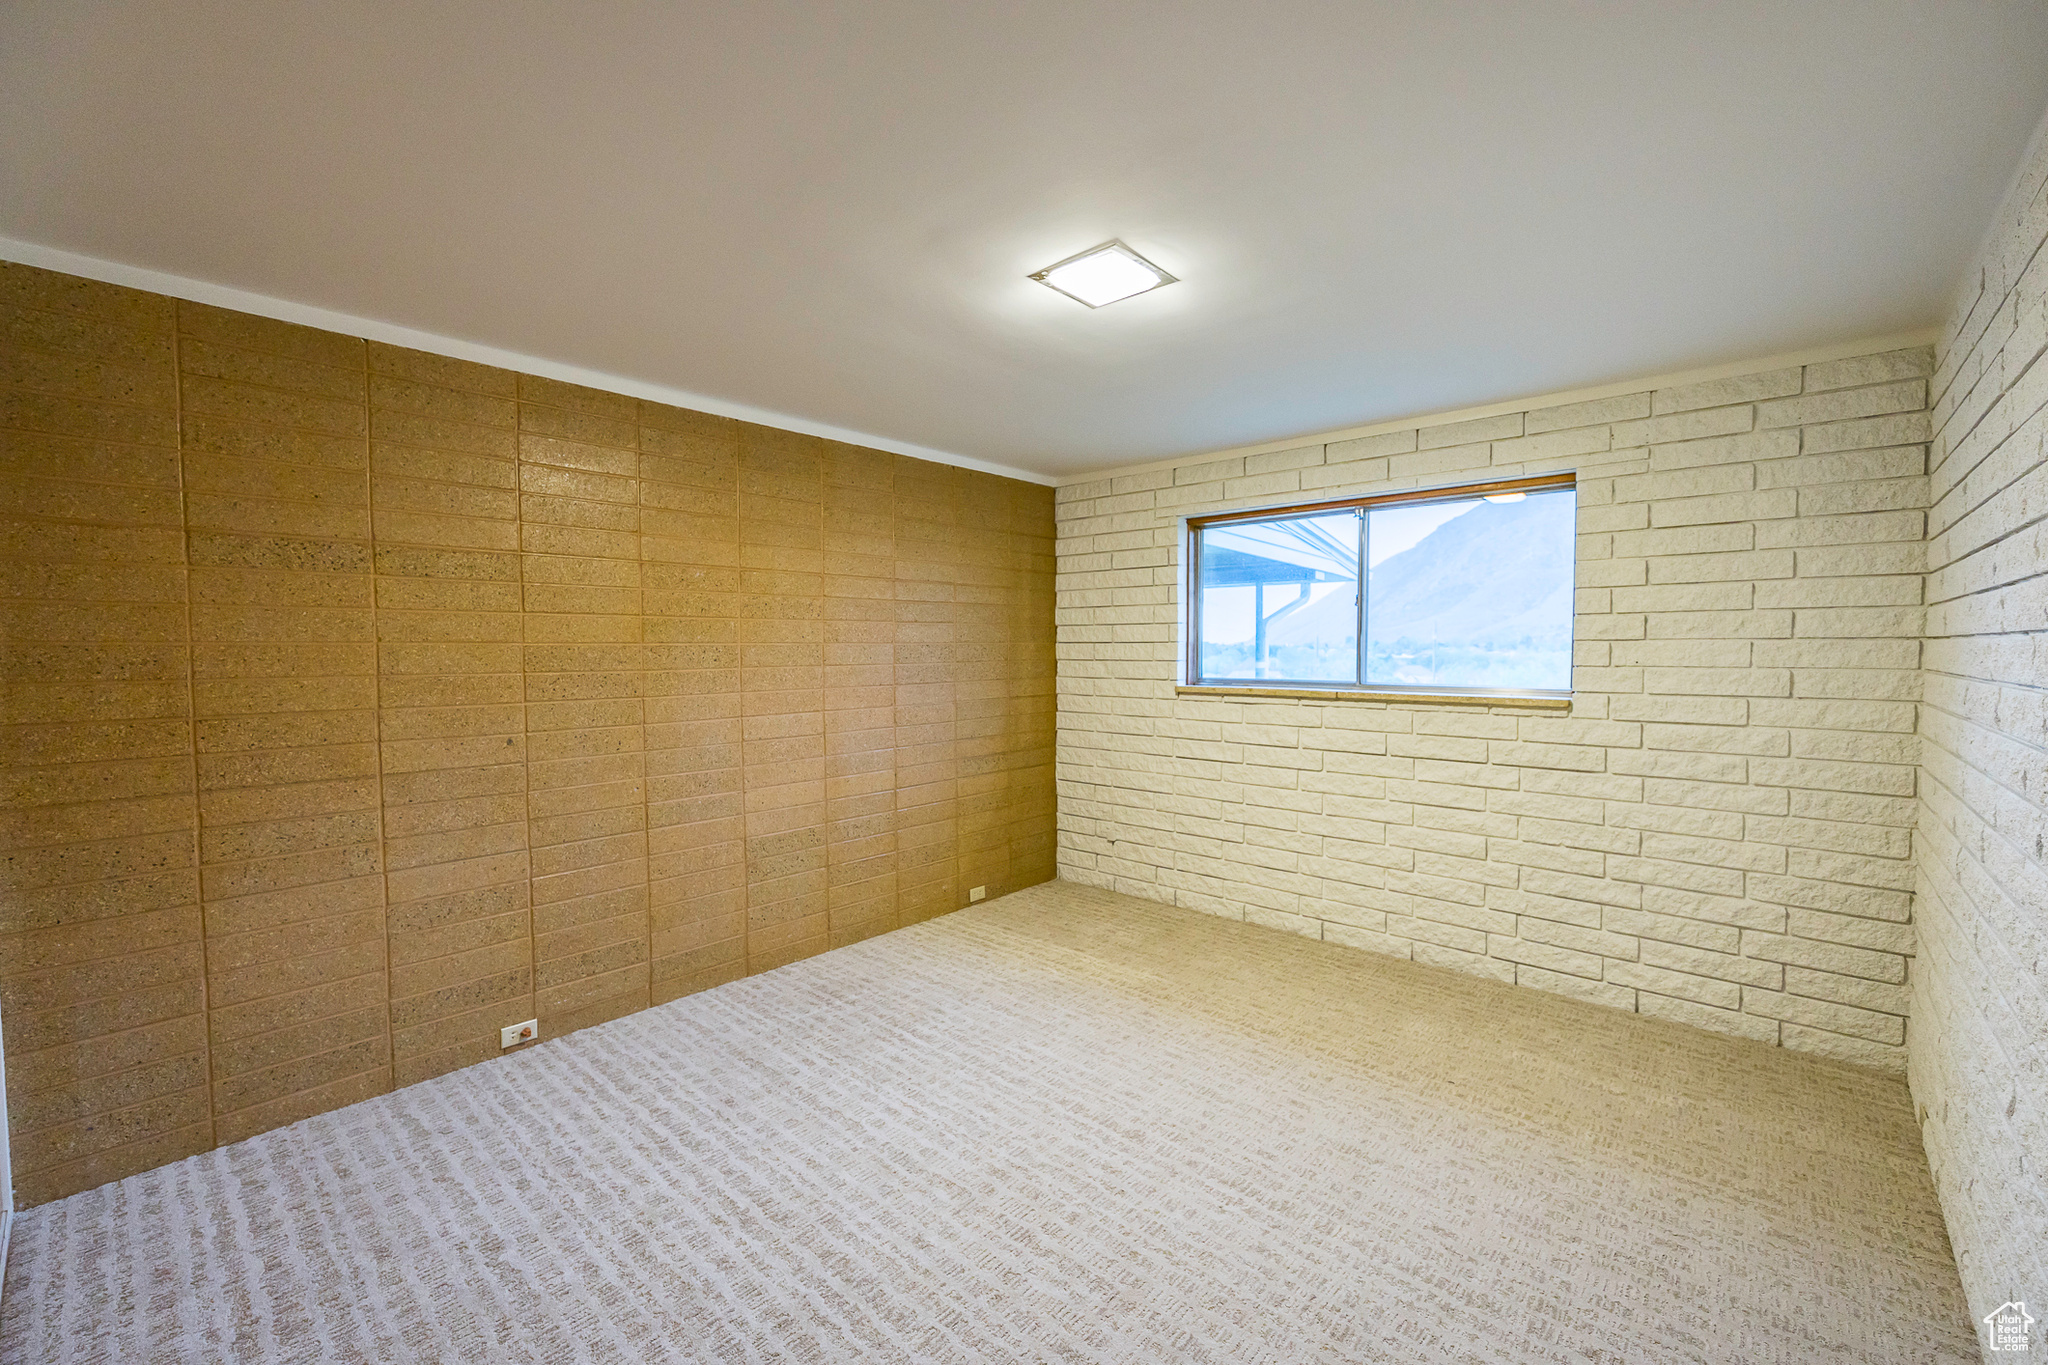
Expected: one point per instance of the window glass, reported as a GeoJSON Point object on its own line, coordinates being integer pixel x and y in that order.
{"type": "Point", "coordinates": [1472, 593]}
{"type": "Point", "coordinates": [1279, 599]}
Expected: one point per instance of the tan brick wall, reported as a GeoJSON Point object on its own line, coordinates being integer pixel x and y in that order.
{"type": "Point", "coordinates": [1980, 996]}
{"type": "Point", "coordinates": [102, 965]}
{"type": "Point", "coordinates": [358, 702]}
{"type": "Point", "coordinates": [274, 430]}
{"type": "Point", "coordinates": [1720, 831]}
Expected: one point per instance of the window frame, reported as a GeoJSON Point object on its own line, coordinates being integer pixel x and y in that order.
{"type": "Point", "coordinates": [1191, 679]}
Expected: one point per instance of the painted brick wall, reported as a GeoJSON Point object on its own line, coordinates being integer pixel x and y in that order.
{"type": "Point", "coordinates": [1720, 832]}
{"type": "Point", "coordinates": [356, 702]}
{"type": "Point", "coordinates": [1980, 997]}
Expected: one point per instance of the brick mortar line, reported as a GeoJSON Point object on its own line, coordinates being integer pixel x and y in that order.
{"type": "Point", "coordinates": [192, 725]}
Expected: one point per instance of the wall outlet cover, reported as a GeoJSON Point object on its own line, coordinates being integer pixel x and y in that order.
{"type": "Point", "coordinates": [512, 1035]}
{"type": "Point", "coordinates": [976, 893]}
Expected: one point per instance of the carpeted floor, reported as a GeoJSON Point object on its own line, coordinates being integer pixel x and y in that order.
{"type": "Point", "coordinates": [1066, 1126]}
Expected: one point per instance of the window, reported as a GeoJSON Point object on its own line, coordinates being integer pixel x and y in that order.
{"type": "Point", "coordinates": [1447, 590]}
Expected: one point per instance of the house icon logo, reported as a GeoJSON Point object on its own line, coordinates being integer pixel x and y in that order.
{"type": "Point", "coordinates": [2007, 1327]}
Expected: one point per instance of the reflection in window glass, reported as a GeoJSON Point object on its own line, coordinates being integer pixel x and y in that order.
{"type": "Point", "coordinates": [1473, 593]}
{"type": "Point", "coordinates": [1280, 599]}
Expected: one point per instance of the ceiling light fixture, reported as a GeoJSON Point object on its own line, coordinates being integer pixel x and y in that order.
{"type": "Point", "coordinates": [1103, 274]}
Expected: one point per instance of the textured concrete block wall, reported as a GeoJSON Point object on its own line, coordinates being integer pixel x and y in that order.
{"type": "Point", "coordinates": [1980, 996]}
{"type": "Point", "coordinates": [1720, 831]}
{"type": "Point", "coordinates": [356, 702]}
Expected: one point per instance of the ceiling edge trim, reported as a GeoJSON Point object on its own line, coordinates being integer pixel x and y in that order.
{"type": "Point", "coordinates": [1814, 355]}
{"type": "Point", "coordinates": [348, 324]}
{"type": "Point", "coordinates": [1957, 314]}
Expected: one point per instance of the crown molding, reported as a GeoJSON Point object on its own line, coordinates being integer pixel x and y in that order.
{"type": "Point", "coordinates": [1813, 355]}
{"type": "Point", "coordinates": [348, 324]}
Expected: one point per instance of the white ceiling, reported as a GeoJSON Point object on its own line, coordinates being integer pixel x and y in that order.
{"type": "Point", "coordinates": [828, 209]}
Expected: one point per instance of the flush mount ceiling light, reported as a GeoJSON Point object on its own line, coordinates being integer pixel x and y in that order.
{"type": "Point", "coordinates": [1103, 274]}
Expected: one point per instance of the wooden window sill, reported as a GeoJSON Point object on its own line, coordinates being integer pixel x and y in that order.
{"type": "Point", "coordinates": [1525, 703]}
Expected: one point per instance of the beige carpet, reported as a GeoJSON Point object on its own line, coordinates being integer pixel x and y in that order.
{"type": "Point", "coordinates": [1063, 1127]}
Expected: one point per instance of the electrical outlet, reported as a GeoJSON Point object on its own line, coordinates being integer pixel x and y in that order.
{"type": "Point", "coordinates": [976, 893]}
{"type": "Point", "coordinates": [512, 1035]}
